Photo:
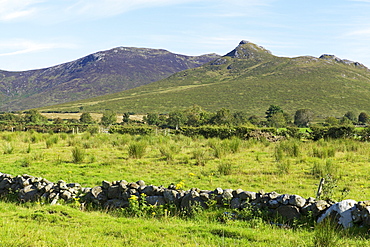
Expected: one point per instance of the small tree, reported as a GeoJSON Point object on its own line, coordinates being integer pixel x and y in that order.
{"type": "Point", "coordinates": [108, 118]}
{"type": "Point", "coordinates": [176, 119]}
{"type": "Point", "coordinates": [363, 118]}
{"type": "Point", "coordinates": [222, 117]}
{"type": "Point", "coordinates": [303, 117]}
{"type": "Point", "coordinates": [331, 121]}
{"type": "Point", "coordinates": [196, 116]}
{"type": "Point", "coordinates": [33, 116]}
{"type": "Point", "coordinates": [277, 120]}
{"type": "Point", "coordinates": [151, 119]}
{"type": "Point", "coordinates": [86, 118]}
{"type": "Point", "coordinates": [240, 118]}
{"type": "Point", "coordinates": [126, 117]}
{"type": "Point", "coordinates": [273, 109]}
{"type": "Point", "coordinates": [351, 116]}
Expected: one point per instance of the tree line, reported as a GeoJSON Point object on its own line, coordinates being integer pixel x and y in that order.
{"type": "Point", "coordinates": [196, 116]}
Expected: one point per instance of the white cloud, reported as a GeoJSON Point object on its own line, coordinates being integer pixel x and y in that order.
{"type": "Point", "coordinates": [16, 9]}
{"type": "Point", "coordinates": [16, 47]}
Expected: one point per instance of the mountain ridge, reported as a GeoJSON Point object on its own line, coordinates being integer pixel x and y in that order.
{"type": "Point", "coordinates": [96, 74]}
{"type": "Point", "coordinates": [250, 78]}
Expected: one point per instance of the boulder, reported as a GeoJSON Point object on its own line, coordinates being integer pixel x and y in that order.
{"type": "Point", "coordinates": [296, 200]}
{"type": "Point", "coordinates": [288, 212]}
{"type": "Point", "coordinates": [342, 211]}
{"type": "Point", "coordinates": [28, 193]}
{"type": "Point", "coordinates": [191, 200]}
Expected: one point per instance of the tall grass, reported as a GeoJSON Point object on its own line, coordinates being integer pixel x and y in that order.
{"type": "Point", "coordinates": [321, 168]}
{"type": "Point", "coordinates": [78, 155]}
{"type": "Point", "coordinates": [327, 234]}
{"type": "Point", "coordinates": [8, 148]}
{"type": "Point", "coordinates": [137, 149]}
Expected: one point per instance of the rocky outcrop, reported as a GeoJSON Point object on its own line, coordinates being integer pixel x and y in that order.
{"type": "Point", "coordinates": [333, 58]}
{"type": "Point", "coordinates": [117, 194]}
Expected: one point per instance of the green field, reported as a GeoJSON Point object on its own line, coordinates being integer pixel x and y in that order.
{"type": "Point", "coordinates": [291, 166]}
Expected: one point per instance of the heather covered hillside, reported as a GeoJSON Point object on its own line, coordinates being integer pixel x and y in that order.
{"type": "Point", "coordinates": [101, 73]}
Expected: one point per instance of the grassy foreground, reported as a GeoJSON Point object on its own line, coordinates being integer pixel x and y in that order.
{"type": "Point", "coordinates": [60, 225]}
{"type": "Point", "coordinates": [291, 166]}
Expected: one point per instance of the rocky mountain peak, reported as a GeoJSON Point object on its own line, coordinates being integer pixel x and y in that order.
{"type": "Point", "coordinates": [248, 50]}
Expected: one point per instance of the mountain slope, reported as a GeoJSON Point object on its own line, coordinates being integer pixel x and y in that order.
{"type": "Point", "coordinates": [97, 74]}
{"type": "Point", "coordinates": [250, 78]}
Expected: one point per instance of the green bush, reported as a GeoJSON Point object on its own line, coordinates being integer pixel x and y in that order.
{"type": "Point", "coordinates": [78, 155]}
{"type": "Point", "coordinates": [8, 148]}
{"type": "Point", "coordinates": [224, 169]}
{"type": "Point", "coordinates": [137, 150]}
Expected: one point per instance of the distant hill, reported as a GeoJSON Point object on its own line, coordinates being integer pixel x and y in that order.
{"type": "Point", "coordinates": [249, 79]}
{"type": "Point", "coordinates": [97, 74]}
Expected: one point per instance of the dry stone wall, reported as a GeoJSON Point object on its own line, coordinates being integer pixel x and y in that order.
{"type": "Point", "coordinates": [116, 195]}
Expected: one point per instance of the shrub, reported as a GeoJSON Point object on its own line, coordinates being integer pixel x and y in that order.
{"type": "Point", "coordinates": [279, 155]}
{"type": "Point", "coordinates": [8, 148]}
{"type": "Point", "coordinates": [321, 169]}
{"type": "Point", "coordinates": [234, 144]}
{"type": "Point", "coordinates": [167, 153]}
{"type": "Point", "coordinates": [200, 156]}
{"type": "Point", "coordinates": [224, 169]}
{"type": "Point", "coordinates": [283, 167]}
{"type": "Point", "coordinates": [137, 150]}
{"type": "Point", "coordinates": [78, 155]}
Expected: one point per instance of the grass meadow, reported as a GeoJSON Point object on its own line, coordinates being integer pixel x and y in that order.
{"type": "Point", "coordinates": [291, 166]}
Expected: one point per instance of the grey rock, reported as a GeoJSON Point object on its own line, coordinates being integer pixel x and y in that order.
{"type": "Point", "coordinates": [237, 192]}
{"type": "Point", "coordinates": [133, 186]}
{"type": "Point", "coordinates": [319, 207]}
{"type": "Point", "coordinates": [273, 195]}
{"type": "Point", "coordinates": [235, 203]}
{"type": "Point", "coordinates": [273, 204]}
{"type": "Point", "coordinates": [288, 212]}
{"type": "Point", "coordinates": [227, 194]}
{"type": "Point", "coordinates": [114, 191]}
{"type": "Point", "coordinates": [141, 183]}
{"type": "Point", "coordinates": [149, 190]}
{"type": "Point", "coordinates": [170, 195]}
{"type": "Point", "coordinates": [283, 199]}
{"type": "Point", "coordinates": [28, 193]}
{"type": "Point", "coordinates": [106, 184]}
{"type": "Point", "coordinates": [343, 210]}
{"type": "Point", "coordinates": [296, 200]}
{"type": "Point", "coordinates": [191, 200]}
{"type": "Point", "coordinates": [5, 184]}
{"type": "Point", "coordinates": [248, 195]}
{"type": "Point", "coordinates": [218, 191]}
{"type": "Point", "coordinates": [66, 195]}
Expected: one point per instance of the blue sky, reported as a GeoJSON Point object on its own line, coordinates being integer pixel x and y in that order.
{"type": "Point", "coordinates": [43, 33]}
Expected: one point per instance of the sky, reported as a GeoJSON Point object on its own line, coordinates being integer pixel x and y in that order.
{"type": "Point", "coordinates": [43, 33]}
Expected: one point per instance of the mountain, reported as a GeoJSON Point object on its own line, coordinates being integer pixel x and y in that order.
{"type": "Point", "coordinates": [97, 74]}
{"type": "Point", "coordinates": [249, 79]}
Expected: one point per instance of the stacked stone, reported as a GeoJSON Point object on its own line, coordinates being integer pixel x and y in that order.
{"type": "Point", "coordinates": [30, 188]}
{"type": "Point", "coordinates": [118, 193]}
